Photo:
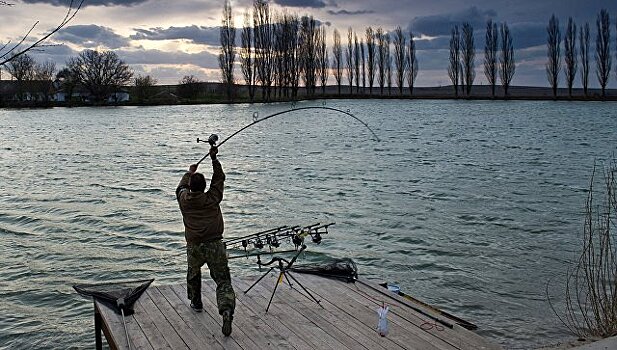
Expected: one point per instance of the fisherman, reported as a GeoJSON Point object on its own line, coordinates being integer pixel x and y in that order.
{"type": "Point", "coordinates": [203, 230]}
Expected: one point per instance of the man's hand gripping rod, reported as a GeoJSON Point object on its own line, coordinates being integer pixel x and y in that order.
{"type": "Point", "coordinates": [212, 140]}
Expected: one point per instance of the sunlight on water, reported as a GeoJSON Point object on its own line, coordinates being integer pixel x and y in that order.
{"type": "Point", "coordinates": [470, 206]}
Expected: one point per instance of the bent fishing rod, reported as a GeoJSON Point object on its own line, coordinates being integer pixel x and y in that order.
{"type": "Point", "coordinates": [213, 139]}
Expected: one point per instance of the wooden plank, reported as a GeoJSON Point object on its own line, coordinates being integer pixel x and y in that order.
{"type": "Point", "coordinates": [192, 340]}
{"type": "Point", "coordinates": [155, 337]}
{"type": "Point", "coordinates": [406, 329]}
{"type": "Point", "coordinates": [458, 335]}
{"type": "Point", "coordinates": [252, 324]}
{"type": "Point", "coordinates": [303, 326]}
{"type": "Point", "coordinates": [116, 337]}
{"type": "Point", "coordinates": [161, 323]}
{"type": "Point", "coordinates": [256, 313]}
{"type": "Point", "coordinates": [403, 333]}
{"type": "Point", "coordinates": [244, 339]}
{"type": "Point", "coordinates": [205, 334]}
{"type": "Point", "coordinates": [208, 324]}
{"type": "Point", "coordinates": [163, 319]}
{"type": "Point", "coordinates": [338, 324]}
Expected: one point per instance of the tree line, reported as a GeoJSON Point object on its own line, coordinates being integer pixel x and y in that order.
{"type": "Point", "coordinates": [281, 52]}
{"type": "Point", "coordinates": [572, 57]}
{"type": "Point", "coordinates": [100, 73]}
{"type": "Point", "coordinates": [498, 57]}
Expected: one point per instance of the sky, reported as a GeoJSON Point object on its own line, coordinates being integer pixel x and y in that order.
{"type": "Point", "coordinates": [171, 39]}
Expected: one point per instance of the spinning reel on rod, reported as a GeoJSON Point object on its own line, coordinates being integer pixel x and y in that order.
{"type": "Point", "coordinates": [272, 240]}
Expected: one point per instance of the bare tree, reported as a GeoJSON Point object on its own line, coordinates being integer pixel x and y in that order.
{"type": "Point", "coordinates": [570, 55]}
{"type": "Point", "coordinates": [68, 81]}
{"type": "Point", "coordinates": [227, 56]}
{"type": "Point", "coordinates": [363, 69]}
{"type": "Point", "coordinates": [399, 58]}
{"type": "Point", "coordinates": [44, 78]}
{"type": "Point", "coordinates": [10, 51]}
{"type": "Point", "coordinates": [264, 46]}
{"type": "Point", "coordinates": [412, 64]}
{"type": "Point", "coordinates": [454, 68]}
{"type": "Point", "coordinates": [381, 58]}
{"type": "Point", "coordinates": [590, 283]}
{"type": "Point", "coordinates": [337, 57]}
{"type": "Point", "coordinates": [507, 67]}
{"type": "Point", "coordinates": [21, 68]}
{"type": "Point", "coordinates": [388, 62]}
{"type": "Point", "coordinates": [288, 53]}
{"type": "Point", "coordinates": [553, 46]}
{"type": "Point", "coordinates": [279, 55]}
{"type": "Point", "coordinates": [468, 53]}
{"type": "Point", "coordinates": [308, 53]}
{"type": "Point", "coordinates": [189, 87]}
{"type": "Point", "coordinates": [356, 62]}
{"type": "Point", "coordinates": [490, 54]}
{"type": "Point", "coordinates": [100, 72]}
{"type": "Point", "coordinates": [583, 41]}
{"type": "Point", "coordinates": [293, 53]}
{"type": "Point", "coordinates": [144, 87]}
{"type": "Point", "coordinates": [247, 55]}
{"type": "Point", "coordinates": [371, 60]}
{"type": "Point", "coordinates": [603, 50]}
{"type": "Point", "coordinates": [323, 60]}
{"type": "Point", "coordinates": [349, 55]}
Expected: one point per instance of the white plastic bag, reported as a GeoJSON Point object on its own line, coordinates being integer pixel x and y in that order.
{"type": "Point", "coordinates": [382, 325]}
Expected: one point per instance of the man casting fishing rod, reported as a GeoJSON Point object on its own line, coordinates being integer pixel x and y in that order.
{"type": "Point", "coordinates": [203, 230]}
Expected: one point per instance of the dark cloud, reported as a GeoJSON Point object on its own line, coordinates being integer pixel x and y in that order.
{"type": "Point", "coordinates": [196, 34]}
{"type": "Point", "coordinates": [157, 57]}
{"type": "Point", "coordinates": [88, 2]}
{"type": "Point", "coordinates": [437, 25]}
{"type": "Point", "coordinates": [301, 3]}
{"type": "Point", "coordinates": [58, 53]}
{"type": "Point", "coordinates": [91, 35]}
{"type": "Point", "coordinates": [350, 13]}
{"type": "Point", "coordinates": [526, 35]}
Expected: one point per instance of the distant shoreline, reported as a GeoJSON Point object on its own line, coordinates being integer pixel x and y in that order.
{"type": "Point", "coordinates": [214, 96]}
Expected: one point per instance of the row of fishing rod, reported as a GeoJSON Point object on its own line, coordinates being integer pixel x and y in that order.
{"type": "Point", "coordinates": [269, 241]}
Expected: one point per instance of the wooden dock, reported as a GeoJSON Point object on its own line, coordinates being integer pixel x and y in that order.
{"type": "Point", "coordinates": [348, 319]}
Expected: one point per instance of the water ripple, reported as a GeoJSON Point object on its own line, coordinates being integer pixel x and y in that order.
{"type": "Point", "coordinates": [469, 205]}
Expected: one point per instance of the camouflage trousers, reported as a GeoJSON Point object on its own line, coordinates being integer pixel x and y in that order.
{"type": "Point", "coordinates": [215, 256]}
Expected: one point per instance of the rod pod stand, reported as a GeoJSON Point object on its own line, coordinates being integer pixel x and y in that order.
{"type": "Point", "coordinates": [283, 272]}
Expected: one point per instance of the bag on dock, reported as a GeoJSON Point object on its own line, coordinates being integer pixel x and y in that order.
{"type": "Point", "coordinates": [382, 324]}
{"type": "Point", "coordinates": [343, 269]}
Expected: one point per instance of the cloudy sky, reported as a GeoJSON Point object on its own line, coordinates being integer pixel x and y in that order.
{"type": "Point", "coordinates": [170, 39]}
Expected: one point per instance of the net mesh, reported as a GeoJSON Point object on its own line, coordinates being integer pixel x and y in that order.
{"type": "Point", "coordinates": [343, 269]}
{"type": "Point", "coordinates": [116, 295]}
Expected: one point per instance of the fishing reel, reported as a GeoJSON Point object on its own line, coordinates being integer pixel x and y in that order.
{"type": "Point", "coordinates": [212, 140]}
{"type": "Point", "coordinates": [315, 231]}
{"type": "Point", "coordinates": [273, 239]}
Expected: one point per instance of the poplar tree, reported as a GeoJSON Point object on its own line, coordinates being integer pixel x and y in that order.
{"type": "Point", "coordinates": [468, 52]}
{"type": "Point", "coordinates": [583, 42]}
{"type": "Point", "coordinates": [412, 64]}
{"type": "Point", "coordinates": [507, 66]}
{"type": "Point", "coordinates": [399, 58]}
{"type": "Point", "coordinates": [603, 50]}
{"type": "Point", "coordinates": [337, 59]}
{"type": "Point", "coordinates": [247, 55]}
{"type": "Point", "coordinates": [227, 55]}
{"type": "Point", "coordinates": [570, 54]}
{"type": "Point", "coordinates": [454, 69]}
{"type": "Point", "coordinates": [371, 61]}
{"type": "Point", "coordinates": [553, 45]}
{"type": "Point", "coordinates": [490, 54]}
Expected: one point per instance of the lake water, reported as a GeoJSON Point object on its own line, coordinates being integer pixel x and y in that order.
{"type": "Point", "coordinates": [469, 205]}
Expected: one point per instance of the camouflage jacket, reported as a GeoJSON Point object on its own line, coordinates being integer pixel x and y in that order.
{"type": "Point", "coordinates": [201, 213]}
